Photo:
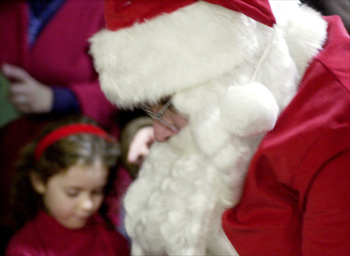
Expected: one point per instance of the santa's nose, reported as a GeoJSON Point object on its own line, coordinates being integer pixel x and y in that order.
{"type": "Point", "coordinates": [161, 132]}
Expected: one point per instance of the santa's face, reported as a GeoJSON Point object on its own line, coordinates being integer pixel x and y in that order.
{"type": "Point", "coordinates": [189, 178]}
{"type": "Point", "coordinates": [168, 121]}
{"type": "Point", "coordinates": [180, 191]}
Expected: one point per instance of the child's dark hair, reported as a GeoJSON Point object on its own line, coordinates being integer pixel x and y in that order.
{"type": "Point", "coordinates": [81, 149]}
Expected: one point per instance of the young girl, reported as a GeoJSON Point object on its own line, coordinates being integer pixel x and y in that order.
{"type": "Point", "coordinates": [61, 181]}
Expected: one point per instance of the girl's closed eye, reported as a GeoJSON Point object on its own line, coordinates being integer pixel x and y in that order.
{"type": "Point", "coordinates": [98, 192]}
{"type": "Point", "coordinates": [72, 192]}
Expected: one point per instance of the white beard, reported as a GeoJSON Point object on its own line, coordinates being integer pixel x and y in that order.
{"type": "Point", "coordinates": [175, 205]}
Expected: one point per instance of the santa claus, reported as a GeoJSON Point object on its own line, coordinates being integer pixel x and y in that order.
{"type": "Point", "coordinates": [227, 82]}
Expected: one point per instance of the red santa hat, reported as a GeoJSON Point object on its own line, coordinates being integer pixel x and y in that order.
{"type": "Point", "coordinates": [122, 14]}
{"type": "Point", "coordinates": [155, 48]}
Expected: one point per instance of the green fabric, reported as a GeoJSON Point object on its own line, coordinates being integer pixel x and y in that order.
{"type": "Point", "coordinates": [7, 110]}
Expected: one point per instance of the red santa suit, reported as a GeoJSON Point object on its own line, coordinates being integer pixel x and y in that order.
{"type": "Point", "coordinates": [45, 236]}
{"type": "Point", "coordinates": [296, 199]}
{"type": "Point", "coordinates": [265, 89]}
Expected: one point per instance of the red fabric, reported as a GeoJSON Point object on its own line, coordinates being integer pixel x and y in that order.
{"type": "Point", "coordinates": [44, 236]}
{"type": "Point", "coordinates": [59, 57]}
{"type": "Point", "coordinates": [122, 14]}
{"type": "Point", "coordinates": [258, 10]}
{"type": "Point", "coordinates": [115, 211]}
{"type": "Point", "coordinates": [296, 200]}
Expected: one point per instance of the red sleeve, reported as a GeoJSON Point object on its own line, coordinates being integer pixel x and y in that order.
{"type": "Point", "coordinates": [94, 104]}
{"type": "Point", "coordinates": [326, 228]}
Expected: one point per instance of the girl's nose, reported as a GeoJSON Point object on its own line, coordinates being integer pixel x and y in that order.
{"type": "Point", "coordinates": [87, 203]}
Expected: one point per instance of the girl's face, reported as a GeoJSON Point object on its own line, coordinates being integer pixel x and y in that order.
{"type": "Point", "coordinates": [74, 195]}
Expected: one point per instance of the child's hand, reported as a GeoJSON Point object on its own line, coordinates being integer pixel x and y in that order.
{"type": "Point", "coordinates": [26, 93]}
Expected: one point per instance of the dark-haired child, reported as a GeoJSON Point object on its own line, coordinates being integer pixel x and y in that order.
{"type": "Point", "coordinates": [61, 182]}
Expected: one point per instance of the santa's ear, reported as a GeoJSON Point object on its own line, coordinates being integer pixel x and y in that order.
{"type": "Point", "coordinates": [37, 183]}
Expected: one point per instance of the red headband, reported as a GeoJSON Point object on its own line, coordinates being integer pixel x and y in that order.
{"type": "Point", "coordinates": [66, 131]}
